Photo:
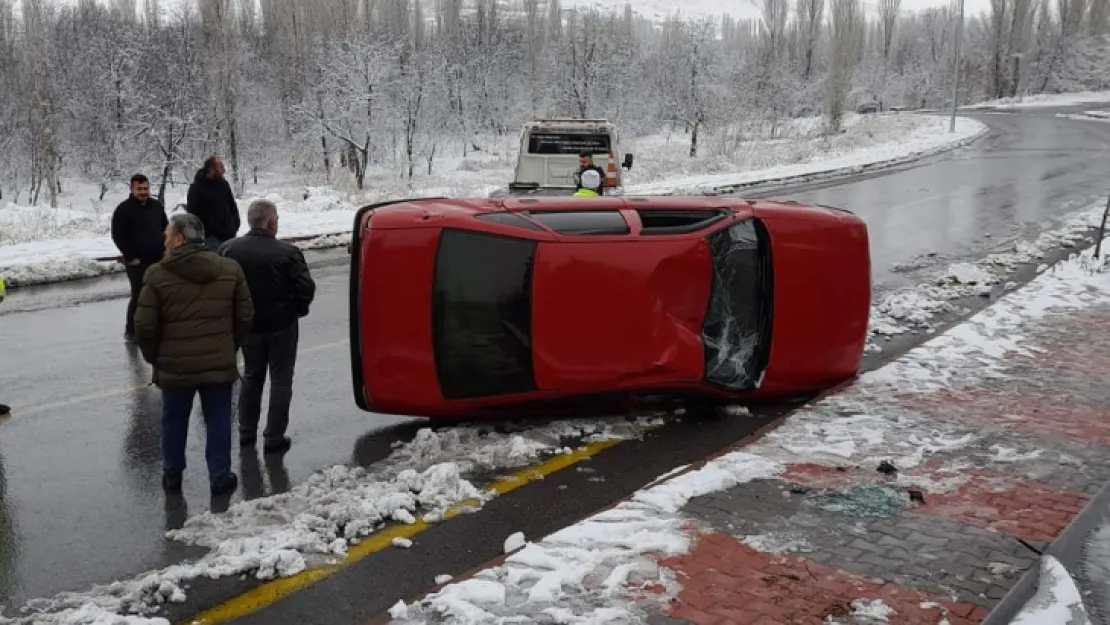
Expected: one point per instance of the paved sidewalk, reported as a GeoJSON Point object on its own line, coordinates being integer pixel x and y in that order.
{"type": "Point", "coordinates": [920, 494]}
{"type": "Point", "coordinates": [942, 540]}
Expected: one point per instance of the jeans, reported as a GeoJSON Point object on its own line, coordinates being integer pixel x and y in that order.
{"type": "Point", "coordinates": [135, 275]}
{"type": "Point", "coordinates": [276, 351]}
{"type": "Point", "coordinates": [177, 404]}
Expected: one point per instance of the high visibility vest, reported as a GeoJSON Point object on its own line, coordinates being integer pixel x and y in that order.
{"type": "Point", "coordinates": [3, 288]}
{"type": "Point", "coordinates": [586, 193]}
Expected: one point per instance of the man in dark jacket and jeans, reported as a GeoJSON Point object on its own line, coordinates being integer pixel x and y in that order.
{"type": "Point", "coordinates": [194, 313]}
{"type": "Point", "coordinates": [138, 228]}
{"type": "Point", "coordinates": [211, 199]}
{"type": "Point", "coordinates": [282, 290]}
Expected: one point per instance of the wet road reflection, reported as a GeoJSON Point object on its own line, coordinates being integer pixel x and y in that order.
{"type": "Point", "coordinates": [1031, 167]}
{"type": "Point", "coordinates": [79, 458]}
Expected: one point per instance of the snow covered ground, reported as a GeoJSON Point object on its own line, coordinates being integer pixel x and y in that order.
{"type": "Point", "coordinates": [40, 244]}
{"type": "Point", "coordinates": [1046, 100]}
{"type": "Point", "coordinates": [594, 571]}
{"type": "Point", "coordinates": [316, 522]}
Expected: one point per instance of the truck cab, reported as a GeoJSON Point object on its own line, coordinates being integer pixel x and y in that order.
{"type": "Point", "coordinates": [549, 151]}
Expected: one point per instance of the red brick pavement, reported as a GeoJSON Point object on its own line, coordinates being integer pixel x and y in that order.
{"type": "Point", "coordinates": [1058, 393]}
{"type": "Point", "coordinates": [987, 499]}
{"type": "Point", "coordinates": [726, 582]}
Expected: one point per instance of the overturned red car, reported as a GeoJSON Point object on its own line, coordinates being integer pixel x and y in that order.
{"type": "Point", "coordinates": [465, 308]}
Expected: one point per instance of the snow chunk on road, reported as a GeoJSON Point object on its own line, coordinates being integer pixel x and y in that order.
{"type": "Point", "coordinates": [514, 542]}
{"type": "Point", "coordinates": [313, 523]}
{"type": "Point", "coordinates": [1057, 600]}
{"type": "Point", "coordinates": [402, 543]}
{"type": "Point", "coordinates": [568, 573]}
{"type": "Point", "coordinates": [443, 579]}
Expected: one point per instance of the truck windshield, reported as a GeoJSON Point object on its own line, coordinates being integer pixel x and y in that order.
{"type": "Point", "coordinates": [568, 143]}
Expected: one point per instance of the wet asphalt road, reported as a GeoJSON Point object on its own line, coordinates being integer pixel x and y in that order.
{"type": "Point", "coordinates": [82, 502]}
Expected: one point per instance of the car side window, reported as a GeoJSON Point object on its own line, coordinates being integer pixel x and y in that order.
{"type": "Point", "coordinates": [509, 219]}
{"type": "Point", "coordinates": [482, 314]}
{"type": "Point", "coordinates": [583, 222]}
{"type": "Point", "coordinates": [662, 221]}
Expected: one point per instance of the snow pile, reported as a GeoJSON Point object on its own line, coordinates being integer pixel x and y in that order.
{"type": "Point", "coordinates": [315, 523]}
{"type": "Point", "coordinates": [571, 572]}
{"type": "Point", "coordinates": [1096, 566]}
{"type": "Point", "coordinates": [1057, 600]}
{"type": "Point", "coordinates": [870, 141]}
{"type": "Point", "coordinates": [913, 308]}
{"type": "Point", "coordinates": [1046, 100]}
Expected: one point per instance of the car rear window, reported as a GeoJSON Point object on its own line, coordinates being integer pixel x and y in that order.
{"type": "Point", "coordinates": [482, 314]}
{"type": "Point", "coordinates": [737, 327]}
{"type": "Point", "coordinates": [568, 143]}
{"type": "Point", "coordinates": [583, 222]}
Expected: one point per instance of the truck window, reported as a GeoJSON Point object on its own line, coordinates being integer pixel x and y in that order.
{"type": "Point", "coordinates": [482, 314]}
{"type": "Point", "coordinates": [568, 143]}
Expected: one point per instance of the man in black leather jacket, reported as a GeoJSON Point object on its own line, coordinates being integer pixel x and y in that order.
{"type": "Point", "coordinates": [282, 290]}
{"type": "Point", "coordinates": [213, 202]}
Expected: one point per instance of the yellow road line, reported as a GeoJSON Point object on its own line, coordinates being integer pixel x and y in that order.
{"type": "Point", "coordinates": [121, 390]}
{"type": "Point", "coordinates": [271, 592]}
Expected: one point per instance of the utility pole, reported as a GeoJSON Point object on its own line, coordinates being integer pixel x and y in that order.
{"type": "Point", "coordinates": [956, 72]}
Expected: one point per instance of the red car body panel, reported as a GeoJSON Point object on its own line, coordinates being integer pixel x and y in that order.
{"type": "Point", "coordinates": [616, 316]}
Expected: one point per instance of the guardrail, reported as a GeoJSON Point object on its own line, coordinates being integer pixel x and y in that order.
{"type": "Point", "coordinates": [308, 237]}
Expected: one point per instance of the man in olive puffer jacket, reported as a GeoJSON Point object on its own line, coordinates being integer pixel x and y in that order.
{"type": "Point", "coordinates": [193, 315]}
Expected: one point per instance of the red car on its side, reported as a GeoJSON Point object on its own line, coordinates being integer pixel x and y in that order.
{"type": "Point", "coordinates": [463, 308]}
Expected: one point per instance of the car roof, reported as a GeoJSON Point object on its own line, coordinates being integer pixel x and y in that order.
{"type": "Point", "coordinates": [421, 211]}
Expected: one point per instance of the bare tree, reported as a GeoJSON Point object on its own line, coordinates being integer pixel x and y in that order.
{"type": "Point", "coordinates": [810, 17]}
{"type": "Point", "coordinates": [1100, 17]}
{"type": "Point", "coordinates": [888, 21]}
{"type": "Point", "coordinates": [43, 112]}
{"type": "Point", "coordinates": [220, 40]}
{"type": "Point", "coordinates": [845, 35]}
{"type": "Point", "coordinates": [998, 16]}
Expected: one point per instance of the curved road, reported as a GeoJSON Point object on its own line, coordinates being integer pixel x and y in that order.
{"type": "Point", "coordinates": [79, 458]}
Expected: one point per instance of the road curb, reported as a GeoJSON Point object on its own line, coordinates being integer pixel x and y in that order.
{"type": "Point", "coordinates": [1069, 549]}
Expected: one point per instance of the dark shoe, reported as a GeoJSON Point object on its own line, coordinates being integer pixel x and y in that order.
{"type": "Point", "coordinates": [5, 410]}
{"type": "Point", "coordinates": [278, 447]}
{"type": "Point", "coordinates": [225, 485]}
{"type": "Point", "coordinates": [247, 441]}
{"type": "Point", "coordinates": [171, 483]}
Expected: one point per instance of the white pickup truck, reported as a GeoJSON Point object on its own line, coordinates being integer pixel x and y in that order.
{"type": "Point", "coordinates": [549, 156]}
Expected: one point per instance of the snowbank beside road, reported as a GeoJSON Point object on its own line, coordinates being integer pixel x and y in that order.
{"type": "Point", "coordinates": [1046, 100]}
{"type": "Point", "coordinates": [891, 140]}
{"type": "Point", "coordinates": [39, 244]}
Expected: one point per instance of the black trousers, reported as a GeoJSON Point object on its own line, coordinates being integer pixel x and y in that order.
{"type": "Point", "coordinates": [135, 275]}
{"type": "Point", "coordinates": [276, 352]}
